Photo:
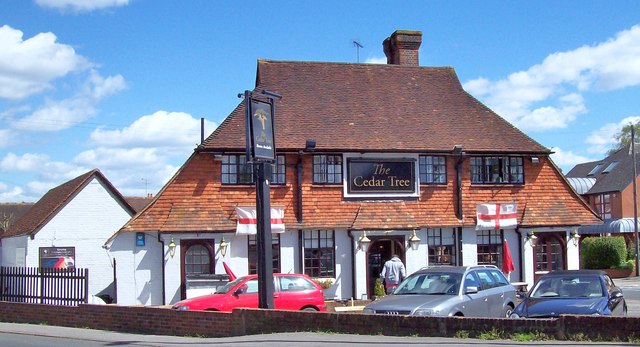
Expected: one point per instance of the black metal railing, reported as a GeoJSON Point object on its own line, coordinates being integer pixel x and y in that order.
{"type": "Point", "coordinates": [66, 287]}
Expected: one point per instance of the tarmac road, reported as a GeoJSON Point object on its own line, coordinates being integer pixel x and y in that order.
{"type": "Point", "coordinates": [27, 335]}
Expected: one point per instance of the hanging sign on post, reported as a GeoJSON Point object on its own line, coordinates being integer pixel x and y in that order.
{"type": "Point", "coordinates": [260, 133]}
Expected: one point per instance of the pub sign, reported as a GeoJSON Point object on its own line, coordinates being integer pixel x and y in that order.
{"type": "Point", "coordinates": [260, 132]}
{"type": "Point", "coordinates": [376, 176]}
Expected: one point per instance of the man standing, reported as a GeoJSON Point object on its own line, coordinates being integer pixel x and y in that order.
{"type": "Point", "coordinates": [392, 273]}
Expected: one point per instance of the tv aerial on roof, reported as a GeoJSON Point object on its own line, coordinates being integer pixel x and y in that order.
{"type": "Point", "coordinates": [357, 45]}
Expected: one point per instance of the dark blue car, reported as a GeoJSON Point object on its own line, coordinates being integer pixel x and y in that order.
{"type": "Point", "coordinates": [583, 292]}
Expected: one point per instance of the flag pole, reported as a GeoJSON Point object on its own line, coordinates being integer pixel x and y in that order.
{"type": "Point", "coordinates": [635, 194]}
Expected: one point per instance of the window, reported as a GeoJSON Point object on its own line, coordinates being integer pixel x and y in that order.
{"type": "Point", "coordinates": [610, 167]}
{"type": "Point", "coordinates": [236, 170]}
{"type": "Point", "coordinates": [497, 170]}
{"type": "Point", "coordinates": [253, 253]}
{"type": "Point", "coordinates": [197, 260]}
{"type": "Point", "coordinates": [319, 253]}
{"type": "Point", "coordinates": [295, 284]}
{"type": "Point", "coordinates": [489, 245]}
{"type": "Point", "coordinates": [595, 169]}
{"type": "Point", "coordinates": [327, 169]}
{"type": "Point", "coordinates": [603, 205]}
{"type": "Point", "coordinates": [441, 247]}
{"type": "Point", "coordinates": [432, 169]}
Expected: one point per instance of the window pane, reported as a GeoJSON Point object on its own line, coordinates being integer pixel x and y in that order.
{"type": "Point", "coordinates": [319, 253]}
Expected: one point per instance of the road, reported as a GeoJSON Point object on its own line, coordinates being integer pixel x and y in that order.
{"type": "Point", "coordinates": [26, 335]}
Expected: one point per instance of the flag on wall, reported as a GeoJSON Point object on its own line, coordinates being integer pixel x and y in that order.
{"type": "Point", "coordinates": [248, 220]}
{"type": "Point", "coordinates": [496, 216]}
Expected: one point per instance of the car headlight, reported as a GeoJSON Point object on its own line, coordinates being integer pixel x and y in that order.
{"type": "Point", "coordinates": [368, 310]}
{"type": "Point", "coordinates": [515, 315]}
{"type": "Point", "coordinates": [426, 312]}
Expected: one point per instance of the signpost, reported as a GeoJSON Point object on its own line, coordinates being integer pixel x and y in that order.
{"type": "Point", "coordinates": [261, 151]}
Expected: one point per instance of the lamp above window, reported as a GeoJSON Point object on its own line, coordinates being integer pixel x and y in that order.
{"type": "Point", "coordinates": [310, 145]}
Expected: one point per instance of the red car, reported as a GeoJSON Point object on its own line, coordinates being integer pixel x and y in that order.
{"type": "Point", "coordinates": [291, 292]}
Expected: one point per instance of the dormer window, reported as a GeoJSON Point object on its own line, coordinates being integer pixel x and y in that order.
{"type": "Point", "coordinates": [594, 170]}
{"type": "Point", "coordinates": [497, 170]}
{"type": "Point", "coordinates": [610, 167]}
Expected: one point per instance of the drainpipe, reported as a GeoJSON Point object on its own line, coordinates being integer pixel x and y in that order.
{"type": "Point", "coordinates": [353, 264]}
{"type": "Point", "coordinates": [299, 175]}
{"type": "Point", "coordinates": [163, 270]}
{"type": "Point", "coordinates": [520, 254]}
{"type": "Point", "coordinates": [457, 150]}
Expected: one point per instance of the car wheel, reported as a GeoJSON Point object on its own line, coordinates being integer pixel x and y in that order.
{"type": "Point", "coordinates": [309, 309]}
{"type": "Point", "coordinates": [508, 311]}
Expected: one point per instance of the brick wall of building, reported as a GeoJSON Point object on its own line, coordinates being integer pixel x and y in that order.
{"type": "Point", "coordinates": [162, 321]}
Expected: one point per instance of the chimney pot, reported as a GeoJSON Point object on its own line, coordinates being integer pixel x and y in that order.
{"type": "Point", "coordinates": [401, 48]}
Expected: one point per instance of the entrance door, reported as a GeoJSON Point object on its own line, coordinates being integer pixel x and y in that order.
{"type": "Point", "coordinates": [550, 254]}
{"type": "Point", "coordinates": [381, 250]}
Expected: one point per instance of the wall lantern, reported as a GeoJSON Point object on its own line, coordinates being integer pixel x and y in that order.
{"type": "Point", "coordinates": [414, 241]}
{"type": "Point", "coordinates": [575, 237]}
{"type": "Point", "coordinates": [172, 248]}
{"type": "Point", "coordinates": [364, 242]}
{"type": "Point", "coordinates": [310, 145]}
{"type": "Point", "coordinates": [223, 247]}
{"type": "Point", "coordinates": [532, 239]}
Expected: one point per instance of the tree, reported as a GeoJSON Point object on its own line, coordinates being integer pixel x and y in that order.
{"type": "Point", "coordinates": [623, 138]}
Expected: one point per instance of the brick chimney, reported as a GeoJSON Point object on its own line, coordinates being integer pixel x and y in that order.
{"type": "Point", "coordinates": [401, 48]}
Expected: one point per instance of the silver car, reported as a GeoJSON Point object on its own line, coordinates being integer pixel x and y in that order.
{"type": "Point", "coordinates": [464, 291]}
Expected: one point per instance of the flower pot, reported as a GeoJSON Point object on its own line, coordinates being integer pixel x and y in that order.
{"type": "Point", "coordinates": [619, 273]}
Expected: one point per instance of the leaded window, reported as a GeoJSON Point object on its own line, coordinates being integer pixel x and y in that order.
{"type": "Point", "coordinates": [319, 253]}
{"type": "Point", "coordinates": [432, 169]}
{"type": "Point", "coordinates": [497, 170]}
{"type": "Point", "coordinates": [441, 246]}
{"type": "Point", "coordinates": [489, 246]}
{"type": "Point", "coordinates": [327, 169]}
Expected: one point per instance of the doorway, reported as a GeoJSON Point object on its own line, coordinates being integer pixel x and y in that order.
{"type": "Point", "coordinates": [381, 250]}
{"type": "Point", "coordinates": [549, 254]}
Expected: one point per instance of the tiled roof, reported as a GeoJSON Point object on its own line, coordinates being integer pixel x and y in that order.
{"type": "Point", "coordinates": [361, 107]}
{"type": "Point", "coordinates": [53, 201]}
{"type": "Point", "coordinates": [193, 202]}
{"type": "Point", "coordinates": [138, 203]}
{"type": "Point", "coordinates": [616, 180]}
{"type": "Point", "coordinates": [10, 212]}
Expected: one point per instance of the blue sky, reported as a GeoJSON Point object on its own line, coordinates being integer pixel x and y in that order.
{"type": "Point", "coordinates": [121, 85]}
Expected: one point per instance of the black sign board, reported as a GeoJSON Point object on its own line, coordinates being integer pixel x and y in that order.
{"type": "Point", "coordinates": [381, 176]}
{"type": "Point", "coordinates": [58, 257]}
{"type": "Point", "coordinates": [261, 130]}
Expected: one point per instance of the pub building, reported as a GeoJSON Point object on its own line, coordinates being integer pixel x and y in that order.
{"type": "Point", "coordinates": [372, 160]}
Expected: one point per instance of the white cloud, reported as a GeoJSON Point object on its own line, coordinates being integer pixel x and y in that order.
{"type": "Point", "coordinates": [603, 139]}
{"type": "Point", "coordinates": [171, 130]}
{"type": "Point", "coordinates": [24, 163]}
{"type": "Point", "coordinates": [81, 5]}
{"type": "Point", "coordinates": [547, 95]}
{"type": "Point", "coordinates": [376, 60]}
{"type": "Point", "coordinates": [57, 115]}
{"type": "Point", "coordinates": [6, 136]}
{"type": "Point", "coordinates": [15, 194]}
{"type": "Point", "coordinates": [566, 160]}
{"type": "Point", "coordinates": [28, 67]}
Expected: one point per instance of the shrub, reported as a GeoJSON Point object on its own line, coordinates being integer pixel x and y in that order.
{"type": "Point", "coordinates": [603, 252]}
{"type": "Point", "coordinates": [379, 290]}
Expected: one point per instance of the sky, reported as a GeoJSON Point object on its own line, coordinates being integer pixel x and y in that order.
{"type": "Point", "coordinates": [122, 85]}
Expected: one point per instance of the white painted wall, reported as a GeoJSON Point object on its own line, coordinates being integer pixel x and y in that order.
{"type": "Point", "coordinates": [139, 269]}
{"type": "Point", "coordinates": [85, 223]}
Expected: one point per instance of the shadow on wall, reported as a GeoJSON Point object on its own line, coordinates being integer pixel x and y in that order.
{"type": "Point", "coordinates": [138, 269]}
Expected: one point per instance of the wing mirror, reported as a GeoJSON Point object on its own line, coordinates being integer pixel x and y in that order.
{"type": "Point", "coordinates": [471, 290]}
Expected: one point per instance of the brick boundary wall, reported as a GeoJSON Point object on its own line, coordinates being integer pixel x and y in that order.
{"type": "Point", "coordinates": [163, 321]}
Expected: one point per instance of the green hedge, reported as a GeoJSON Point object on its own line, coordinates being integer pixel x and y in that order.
{"type": "Point", "coordinates": [602, 252]}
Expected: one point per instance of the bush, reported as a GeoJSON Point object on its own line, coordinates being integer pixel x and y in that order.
{"type": "Point", "coordinates": [603, 252]}
{"type": "Point", "coordinates": [379, 290]}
